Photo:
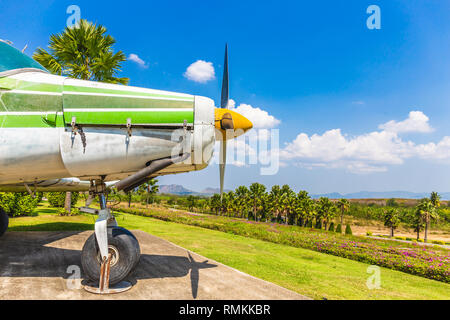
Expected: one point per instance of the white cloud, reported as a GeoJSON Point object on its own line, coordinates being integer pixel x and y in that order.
{"type": "Point", "coordinates": [135, 58]}
{"type": "Point", "coordinates": [260, 118]}
{"type": "Point", "coordinates": [251, 147]}
{"type": "Point", "coordinates": [200, 71]}
{"type": "Point", "coordinates": [417, 122]}
{"type": "Point", "coordinates": [370, 152]}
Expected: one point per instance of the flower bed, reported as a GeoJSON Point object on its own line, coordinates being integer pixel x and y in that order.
{"type": "Point", "coordinates": [429, 262]}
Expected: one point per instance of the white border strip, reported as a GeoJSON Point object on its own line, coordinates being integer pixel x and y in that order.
{"type": "Point", "coordinates": [128, 109]}
{"type": "Point", "coordinates": [35, 92]}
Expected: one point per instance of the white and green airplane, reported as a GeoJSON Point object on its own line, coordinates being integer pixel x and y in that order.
{"type": "Point", "coordinates": [64, 134]}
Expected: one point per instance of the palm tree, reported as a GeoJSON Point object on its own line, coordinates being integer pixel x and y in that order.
{"type": "Point", "coordinates": [287, 201]}
{"type": "Point", "coordinates": [325, 210]}
{"type": "Point", "coordinates": [274, 200]}
{"type": "Point", "coordinates": [344, 206]}
{"type": "Point", "coordinates": [191, 202]}
{"type": "Point", "coordinates": [215, 203]}
{"type": "Point", "coordinates": [230, 203]}
{"type": "Point", "coordinates": [435, 199]}
{"type": "Point", "coordinates": [256, 196]}
{"type": "Point", "coordinates": [83, 52]}
{"type": "Point", "coordinates": [391, 219]}
{"type": "Point", "coordinates": [304, 207]}
{"type": "Point", "coordinates": [150, 188]}
{"type": "Point", "coordinates": [242, 200]}
{"type": "Point", "coordinates": [416, 221]}
{"type": "Point", "coordinates": [428, 211]}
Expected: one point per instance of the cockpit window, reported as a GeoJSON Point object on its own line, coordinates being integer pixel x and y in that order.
{"type": "Point", "coordinates": [11, 58]}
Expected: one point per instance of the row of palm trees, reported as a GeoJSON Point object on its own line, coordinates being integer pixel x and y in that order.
{"type": "Point", "coordinates": [283, 204]}
{"type": "Point", "coordinates": [280, 203]}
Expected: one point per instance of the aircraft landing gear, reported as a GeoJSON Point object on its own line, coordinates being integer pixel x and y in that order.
{"type": "Point", "coordinates": [4, 221]}
{"type": "Point", "coordinates": [111, 253]}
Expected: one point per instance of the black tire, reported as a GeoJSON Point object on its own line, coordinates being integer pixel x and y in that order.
{"type": "Point", "coordinates": [120, 241]}
{"type": "Point", "coordinates": [4, 222]}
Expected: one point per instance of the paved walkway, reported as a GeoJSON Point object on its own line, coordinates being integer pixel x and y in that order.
{"type": "Point", "coordinates": [46, 265]}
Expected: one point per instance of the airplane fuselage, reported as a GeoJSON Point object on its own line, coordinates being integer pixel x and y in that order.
{"type": "Point", "coordinates": [54, 127]}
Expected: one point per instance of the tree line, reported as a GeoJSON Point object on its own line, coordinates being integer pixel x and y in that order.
{"type": "Point", "coordinates": [281, 204]}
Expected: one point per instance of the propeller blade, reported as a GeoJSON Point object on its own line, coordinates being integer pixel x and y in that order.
{"type": "Point", "coordinates": [224, 96]}
{"type": "Point", "coordinates": [226, 123]}
{"type": "Point", "coordinates": [223, 157]}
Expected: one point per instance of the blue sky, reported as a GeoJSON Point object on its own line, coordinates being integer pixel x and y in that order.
{"type": "Point", "coordinates": [312, 65]}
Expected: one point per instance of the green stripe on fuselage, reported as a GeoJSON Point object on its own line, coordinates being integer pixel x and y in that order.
{"type": "Point", "coordinates": [137, 118]}
{"type": "Point", "coordinates": [14, 101]}
{"type": "Point", "coordinates": [29, 121]}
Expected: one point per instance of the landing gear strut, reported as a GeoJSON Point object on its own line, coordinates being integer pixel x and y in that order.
{"type": "Point", "coordinates": [111, 253]}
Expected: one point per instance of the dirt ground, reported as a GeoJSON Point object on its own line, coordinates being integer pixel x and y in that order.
{"type": "Point", "coordinates": [401, 232]}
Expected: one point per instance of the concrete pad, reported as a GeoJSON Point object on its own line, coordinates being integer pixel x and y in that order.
{"type": "Point", "coordinates": [47, 265]}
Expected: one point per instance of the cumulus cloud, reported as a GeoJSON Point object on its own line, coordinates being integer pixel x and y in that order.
{"type": "Point", "coordinates": [260, 118]}
{"type": "Point", "coordinates": [417, 121]}
{"type": "Point", "coordinates": [200, 71]}
{"type": "Point", "coordinates": [135, 58]}
{"type": "Point", "coordinates": [370, 152]}
{"type": "Point", "coordinates": [250, 148]}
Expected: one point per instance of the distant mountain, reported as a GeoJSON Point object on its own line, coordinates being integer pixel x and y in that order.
{"type": "Point", "coordinates": [180, 190]}
{"type": "Point", "coordinates": [381, 195]}
{"type": "Point", "coordinates": [175, 189]}
{"type": "Point", "coordinates": [213, 191]}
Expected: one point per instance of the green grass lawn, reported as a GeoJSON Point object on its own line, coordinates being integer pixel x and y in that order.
{"type": "Point", "coordinates": [311, 273]}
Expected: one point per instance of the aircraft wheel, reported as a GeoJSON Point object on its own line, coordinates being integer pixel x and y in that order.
{"type": "Point", "coordinates": [4, 221]}
{"type": "Point", "coordinates": [125, 254]}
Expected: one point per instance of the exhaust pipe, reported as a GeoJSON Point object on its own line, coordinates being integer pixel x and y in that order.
{"type": "Point", "coordinates": [141, 176]}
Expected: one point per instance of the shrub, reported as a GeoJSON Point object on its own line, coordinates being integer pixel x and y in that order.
{"type": "Point", "coordinates": [419, 240]}
{"type": "Point", "coordinates": [348, 230]}
{"type": "Point", "coordinates": [57, 199]}
{"type": "Point", "coordinates": [368, 233]}
{"type": "Point", "coordinates": [438, 242]}
{"type": "Point", "coordinates": [331, 228]}
{"type": "Point", "coordinates": [64, 212]}
{"type": "Point", "coordinates": [339, 228]}
{"type": "Point", "coordinates": [18, 203]}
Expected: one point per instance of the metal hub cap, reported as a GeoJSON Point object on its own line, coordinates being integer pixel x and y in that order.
{"type": "Point", "coordinates": [114, 255]}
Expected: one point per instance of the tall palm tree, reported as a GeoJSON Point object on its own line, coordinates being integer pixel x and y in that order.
{"type": "Point", "coordinates": [274, 201]}
{"type": "Point", "coordinates": [343, 206]}
{"type": "Point", "coordinates": [428, 212]}
{"type": "Point", "coordinates": [304, 207]}
{"type": "Point", "coordinates": [242, 200]}
{"type": "Point", "coordinates": [391, 219]}
{"type": "Point", "coordinates": [435, 199]}
{"type": "Point", "coordinates": [416, 221]}
{"type": "Point", "coordinates": [288, 202]}
{"type": "Point", "coordinates": [230, 203]}
{"type": "Point", "coordinates": [215, 203]}
{"type": "Point", "coordinates": [83, 52]}
{"type": "Point", "coordinates": [257, 195]}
